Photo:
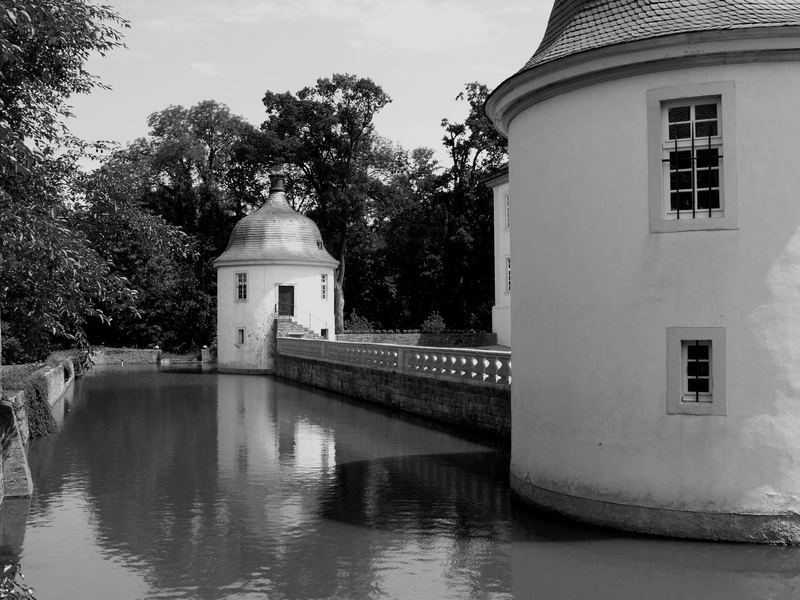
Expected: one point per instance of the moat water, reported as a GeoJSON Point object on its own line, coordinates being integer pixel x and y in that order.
{"type": "Point", "coordinates": [169, 484]}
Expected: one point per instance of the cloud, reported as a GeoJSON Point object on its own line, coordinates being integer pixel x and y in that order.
{"type": "Point", "coordinates": [423, 25]}
{"type": "Point", "coordinates": [206, 68]}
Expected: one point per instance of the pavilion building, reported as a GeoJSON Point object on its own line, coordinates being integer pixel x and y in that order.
{"type": "Point", "coordinates": [274, 275]}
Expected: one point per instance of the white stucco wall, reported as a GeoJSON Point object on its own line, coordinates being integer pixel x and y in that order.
{"type": "Point", "coordinates": [256, 314]}
{"type": "Point", "coordinates": [595, 292]}
{"type": "Point", "coordinates": [501, 311]}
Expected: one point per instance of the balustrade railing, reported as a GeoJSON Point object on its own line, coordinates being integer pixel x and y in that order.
{"type": "Point", "coordinates": [490, 367]}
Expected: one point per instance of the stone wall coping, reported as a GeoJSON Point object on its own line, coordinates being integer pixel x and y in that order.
{"type": "Point", "coordinates": [467, 365]}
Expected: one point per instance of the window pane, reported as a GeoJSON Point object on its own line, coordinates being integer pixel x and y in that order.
{"type": "Point", "coordinates": [678, 113]}
{"type": "Point", "coordinates": [705, 111]}
{"type": "Point", "coordinates": [697, 352]}
{"type": "Point", "coordinates": [680, 201]}
{"type": "Point", "coordinates": [699, 385]}
{"type": "Point", "coordinates": [707, 179]}
{"type": "Point", "coordinates": [680, 132]}
{"type": "Point", "coordinates": [707, 199]}
{"type": "Point", "coordinates": [697, 369]}
{"type": "Point", "coordinates": [708, 158]}
{"type": "Point", "coordinates": [680, 180]}
{"type": "Point", "coordinates": [680, 160]}
{"type": "Point", "coordinates": [705, 128]}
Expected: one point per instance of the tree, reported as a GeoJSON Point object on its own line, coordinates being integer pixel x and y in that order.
{"type": "Point", "coordinates": [43, 47]}
{"type": "Point", "coordinates": [155, 257]}
{"type": "Point", "coordinates": [327, 132]}
{"type": "Point", "coordinates": [51, 281]}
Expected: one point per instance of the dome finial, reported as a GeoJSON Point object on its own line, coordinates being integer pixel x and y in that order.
{"type": "Point", "coordinates": [276, 179]}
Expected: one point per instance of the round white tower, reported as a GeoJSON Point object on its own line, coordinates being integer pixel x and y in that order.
{"type": "Point", "coordinates": [656, 247]}
{"type": "Point", "coordinates": [274, 270]}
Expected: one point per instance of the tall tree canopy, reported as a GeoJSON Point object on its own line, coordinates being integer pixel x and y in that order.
{"type": "Point", "coordinates": [327, 132]}
{"type": "Point", "coordinates": [51, 280]}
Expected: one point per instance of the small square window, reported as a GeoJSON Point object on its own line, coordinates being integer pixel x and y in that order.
{"type": "Point", "coordinates": [696, 370]}
{"type": "Point", "coordinates": [241, 287]}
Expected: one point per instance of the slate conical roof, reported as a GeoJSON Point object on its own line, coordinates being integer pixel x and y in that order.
{"type": "Point", "coordinates": [579, 25]}
{"type": "Point", "coordinates": [276, 234]}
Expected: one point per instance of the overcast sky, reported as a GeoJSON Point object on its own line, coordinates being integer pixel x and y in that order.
{"type": "Point", "coordinates": [421, 52]}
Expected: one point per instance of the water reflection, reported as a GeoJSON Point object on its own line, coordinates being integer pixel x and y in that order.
{"type": "Point", "coordinates": [185, 485]}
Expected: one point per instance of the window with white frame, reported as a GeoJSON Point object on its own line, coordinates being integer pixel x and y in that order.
{"type": "Point", "coordinates": [691, 137]}
{"type": "Point", "coordinates": [508, 274]}
{"type": "Point", "coordinates": [241, 287]}
{"type": "Point", "coordinates": [508, 211]}
{"type": "Point", "coordinates": [240, 336]}
{"type": "Point", "coordinates": [324, 287]}
{"type": "Point", "coordinates": [696, 370]}
{"type": "Point", "coordinates": [692, 158]}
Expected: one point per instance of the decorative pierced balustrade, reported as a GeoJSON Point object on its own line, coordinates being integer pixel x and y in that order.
{"type": "Point", "coordinates": [477, 366]}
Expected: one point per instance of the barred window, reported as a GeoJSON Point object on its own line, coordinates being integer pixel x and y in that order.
{"type": "Point", "coordinates": [241, 286]}
{"type": "Point", "coordinates": [508, 274]}
{"type": "Point", "coordinates": [692, 157]}
{"type": "Point", "coordinates": [696, 360]}
{"type": "Point", "coordinates": [508, 211]}
{"type": "Point", "coordinates": [691, 137]}
{"type": "Point", "coordinates": [324, 287]}
{"type": "Point", "coordinates": [696, 371]}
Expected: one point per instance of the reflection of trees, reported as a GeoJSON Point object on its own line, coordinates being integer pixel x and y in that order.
{"type": "Point", "coordinates": [220, 485]}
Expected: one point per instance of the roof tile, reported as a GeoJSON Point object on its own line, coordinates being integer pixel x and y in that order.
{"type": "Point", "coordinates": [580, 25]}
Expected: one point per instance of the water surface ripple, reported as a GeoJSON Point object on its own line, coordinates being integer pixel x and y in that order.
{"type": "Point", "coordinates": [169, 484]}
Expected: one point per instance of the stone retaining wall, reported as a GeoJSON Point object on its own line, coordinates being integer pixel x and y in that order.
{"type": "Point", "coordinates": [130, 356]}
{"type": "Point", "coordinates": [438, 340]}
{"type": "Point", "coordinates": [15, 477]}
{"type": "Point", "coordinates": [478, 408]}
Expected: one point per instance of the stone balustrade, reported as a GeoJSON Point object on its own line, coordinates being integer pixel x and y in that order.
{"type": "Point", "coordinates": [485, 367]}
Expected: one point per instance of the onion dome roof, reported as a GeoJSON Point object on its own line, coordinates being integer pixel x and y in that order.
{"type": "Point", "coordinates": [580, 25]}
{"type": "Point", "coordinates": [276, 234]}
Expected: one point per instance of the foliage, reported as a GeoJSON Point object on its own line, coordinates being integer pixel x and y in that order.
{"type": "Point", "coordinates": [12, 582]}
{"type": "Point", "coordinates": [327, 133]}
{"type": "Point", "coordinates": [433, 324]}
{"type": "Point", "coordinates": [43, 47]}
{"type": "Point", "coordinates": [157, 259]}
{"type": "Point", "coordinates": [357, 324]}
{"type": "Point", "coordinates": [428, 237]}
{"type": "Point", "coordinates": [51, 280]}
{"type": "Point", "coordinates": [161, 209]}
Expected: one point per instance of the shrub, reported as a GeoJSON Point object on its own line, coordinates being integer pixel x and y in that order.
{"type": "Point", "coordinates": [433, 324]}
{"type": "Point", "coordinates": [357, 324]}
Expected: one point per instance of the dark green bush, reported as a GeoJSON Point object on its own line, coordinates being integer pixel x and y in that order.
{"type": "Point", "coordinates": [40, 420]}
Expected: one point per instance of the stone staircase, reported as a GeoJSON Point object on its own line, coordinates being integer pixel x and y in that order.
{"type": "Point", "coordinates": [287, 327]}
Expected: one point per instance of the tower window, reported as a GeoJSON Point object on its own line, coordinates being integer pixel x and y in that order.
{"type": "Point", "coordinates": [692, 158]}
{"type": "Point", "coordinates": [508, 274]}
{"type": "Point", "coordinates": [696, 370]}
{"type": "Point", "coordinates": [324, 287]}
{"type": "Point", "coordinates": [241, 287]}
{"type": "Point", "coordinates": [240, 336]}
{"type": "Point", "coordinates": [691, 131]}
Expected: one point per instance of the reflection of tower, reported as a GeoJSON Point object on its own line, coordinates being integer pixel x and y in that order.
{"type": "Point", "coordinates": [274, 268]}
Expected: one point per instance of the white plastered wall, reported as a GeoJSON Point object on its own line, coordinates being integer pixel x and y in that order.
{"type": "Point", "coordinates": [595, 291]}
{"type": "Point", "coordinates": [501, 311]}
{"type": "Point", "coordinates": [255, 315]}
